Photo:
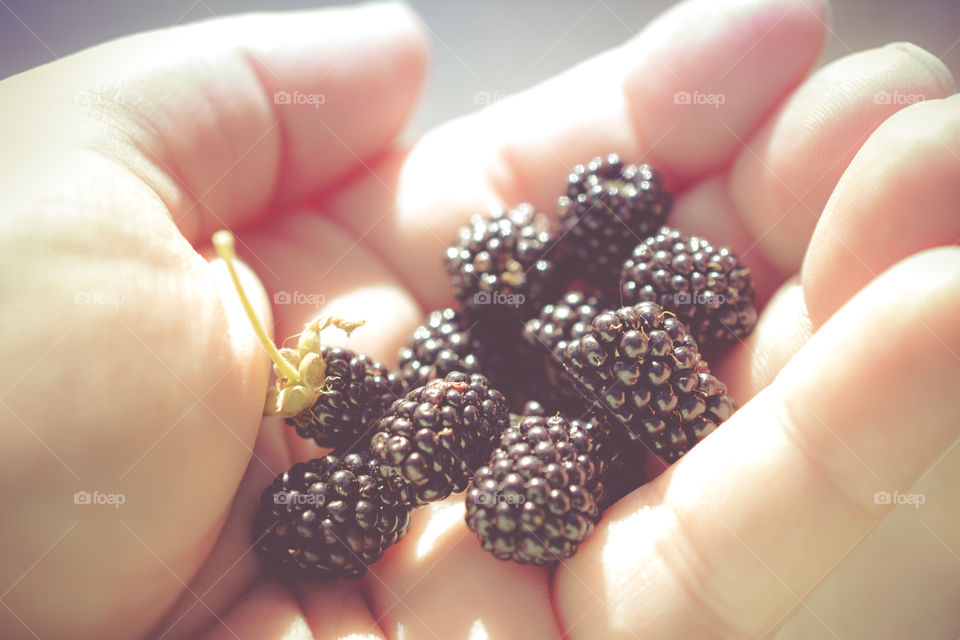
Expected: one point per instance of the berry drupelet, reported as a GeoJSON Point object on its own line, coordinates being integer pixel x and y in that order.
{"type": "Point", "coordinates": [642, 370]}
{"type": "Point", "coordinates": [502, 264]}
{"type": "Point", "coordinates": [330, 517]}
{"type": "Point", "coordinates": [609, 207]}
{"type": "Point", "coordinates": [707, 288]}
{"type": "Point", "coordinates": [433, 438]}
{"type": "Point", "coordinates": [536, 500]}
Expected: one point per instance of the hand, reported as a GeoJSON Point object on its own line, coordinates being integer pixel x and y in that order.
{"type": "Point", "coordinates": [131, 370]}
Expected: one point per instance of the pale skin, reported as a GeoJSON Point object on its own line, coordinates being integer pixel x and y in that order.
{"type": "Point", "coordinates": [119, 162]}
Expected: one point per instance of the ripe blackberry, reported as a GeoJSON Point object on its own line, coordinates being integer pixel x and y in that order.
{"type": "Point", "coordinates": [501, 265]}
{"type": "Point", "coordinates": [609, 207]}
{"type": "Point", "coordinates": [642, 370]}
{"type": "Point", "coordinates": [433, 438]}
{"type": "Point", "coordinates": [357, 391]}
{"type": "Point", "coordinates": [443, 344]}
{"type": "Point", "coordinates": [330, 395]}
{"type": "Point", "coordinates": [709, 289]}
{"type": "Point", "coordinates": [330, 517]}
{"type": "Point", "coordinates": [535, 501]}
{"type": "Point", "coordinates": [560, 322]}
{"type": "Point", "coordinates": [623, 461]}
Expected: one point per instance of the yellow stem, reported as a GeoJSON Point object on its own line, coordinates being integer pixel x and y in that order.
{"type": "Point", "coordinates": [223, 242]}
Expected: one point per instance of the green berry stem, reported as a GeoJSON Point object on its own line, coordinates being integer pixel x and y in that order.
{"type": "Point", "coordinates": [223, 242]}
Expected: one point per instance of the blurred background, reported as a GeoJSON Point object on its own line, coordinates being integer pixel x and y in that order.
{"type": "Point", "coordinates": [481, 50]}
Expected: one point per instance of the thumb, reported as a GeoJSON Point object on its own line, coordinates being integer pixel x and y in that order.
{"type": "Point", "coordinates": [732, 539]}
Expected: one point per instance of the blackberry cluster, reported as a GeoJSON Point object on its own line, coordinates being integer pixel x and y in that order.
{"type": "Point", "coordinates": [609, 207]}
{"type": "Point", "coordinates": [357, 392]}
{"type": "Point", "coordinates": [642, 369]}
{"type": "Point", "coordinates": [330, 517]}
{"type": "Point", "coordinates": [501, 265]}
{"type": "Point", "coordinates": [707, 288]}
{"type": "Point", "coordinates": [433, 438]}
{"type": "Point", "coordinates": [536, 500]}
{"type": "Point", "coordinates": [443, 344]}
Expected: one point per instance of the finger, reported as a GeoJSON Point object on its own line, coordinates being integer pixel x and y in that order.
{"type": "Point", "coordinates": [337, 610]}
{"type": "Point", "coordinates": [268, 612]}
{"type": "Point", "coordinates": [702, 548]}
{"type": "Point", "coordinates": [225, 117]}
{"type": "Point", "coordinates": [520, 149]}
{"type": "Point", "coordinates": [782, 179]}
{"type": "Point", "coordinates": [439, 583]}
{"type": "Point", "coordinates": [231, 565]}
{"type": "Point", "coordinates": [899, 196]}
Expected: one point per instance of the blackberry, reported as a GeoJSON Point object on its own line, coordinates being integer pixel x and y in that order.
{"type": "Point", "coordinates": [433, 438]}
{"type": "Point", "coordinates": [500, 265]}
{"type": "Point", "coordinates": [609, 207]}
{"type": "Point", "coordinates": [330, 517]}
{"type": "Point", "coordinates": [641, 369]}
{"type": "Point", "coordinates": [357, 391]}
{"type": "Point", "coordinates": [560, 322]}
{"type": "Point", "coordinates": [535, 501]}
{"type": "Point", "coordinates": [709, 289]}
{"type": "Point", "coordinates": [621, 460]}
{"type": "Point", "coordinates": [443, 344]}
{"type": "Point", "coordinates": [330, 395]}
{"type": "Point", "coordinates": [546, 337]}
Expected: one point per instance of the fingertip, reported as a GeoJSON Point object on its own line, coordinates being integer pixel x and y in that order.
{"type": "Point", "coordinates": [932, 63]}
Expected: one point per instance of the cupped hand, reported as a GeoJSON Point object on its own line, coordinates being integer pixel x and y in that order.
{"type": "Point", "coordinates": [131, 372]}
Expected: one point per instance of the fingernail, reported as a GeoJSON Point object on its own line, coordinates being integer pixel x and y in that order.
{"type": "Point", "coordinates": [931, 62]}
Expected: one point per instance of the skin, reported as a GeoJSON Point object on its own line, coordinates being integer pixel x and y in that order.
{"type": "Point", "coordinates": [130, 368]}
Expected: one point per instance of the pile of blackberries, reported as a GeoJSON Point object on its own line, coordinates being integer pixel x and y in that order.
{"type": "Point", "coordinates": [574, 351]}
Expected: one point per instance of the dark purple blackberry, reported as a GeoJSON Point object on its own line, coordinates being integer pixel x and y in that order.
{"type": "Point", "coordinates": [546, 337]}
{"type": "Point", "coordinates": [609, 207]}
{"type": "Point", "coordinates": [501, 265]}
{"type": "Point", "coordinates": [433, 438]}
{"type": "Point", "coordinates": [443, 344]}
{"type": "Point", "coordinates": [560, 322]}
{"type": "Point", "coordinates": [709, 289]}
{"type": "Point", "coordinates": [357, 391]}
{"type": "Point", "coordinates": [641, 369]}
{"type": "Point", "coordinates": [329, 518]}
{"type": "Point", "coordinates": [535, 501]}
{"type": "Point", "coordinates": [623, 461]}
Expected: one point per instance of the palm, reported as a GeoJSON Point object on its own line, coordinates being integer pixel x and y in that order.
{"type": "Point", "coordinates": [754, 174]}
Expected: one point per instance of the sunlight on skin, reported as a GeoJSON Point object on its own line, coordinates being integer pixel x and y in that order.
{"type": "Point", "coordinates": [298, 630]}
{"type": "Point", "coordinates": [478, 631]}
{"type": "Point", "coordinates": [382, 333]}
{"type": "Point", "coordinates": [444, 517]}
